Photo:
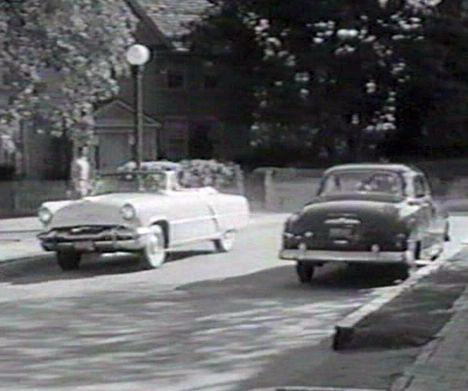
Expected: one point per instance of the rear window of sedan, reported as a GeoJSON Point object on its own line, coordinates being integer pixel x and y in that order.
{"type": "Point", "coordinates": [363, 181]}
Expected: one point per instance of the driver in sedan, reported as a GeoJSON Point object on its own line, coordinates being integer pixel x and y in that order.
{"type": "Point", "coordinates": [381, 183]}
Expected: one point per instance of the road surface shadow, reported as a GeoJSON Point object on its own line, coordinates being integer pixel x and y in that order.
{"type": "Point", "coordinates": [46, 269]}
{"type": "Point", "coordinates": [328, 278]}
{"type": "Point", "coordinates": [214, 333]}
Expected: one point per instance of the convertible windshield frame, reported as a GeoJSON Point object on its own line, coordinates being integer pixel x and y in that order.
{"type": "Point", "coordinates": [366, 177]}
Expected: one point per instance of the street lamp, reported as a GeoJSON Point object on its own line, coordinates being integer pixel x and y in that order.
{"type": "Point", "coordinates": [137, 56]}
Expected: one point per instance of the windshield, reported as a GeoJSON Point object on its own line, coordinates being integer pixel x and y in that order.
{"type": "Point", "coordinates": [129, 183]}
{"type": "Point", "coordinates": [362, 181]}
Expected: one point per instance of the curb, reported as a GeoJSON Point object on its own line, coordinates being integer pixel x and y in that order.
{"type": "Point", "coordinates": [344, 329]}
{"type": "Point", "coordinates": [295, 388]}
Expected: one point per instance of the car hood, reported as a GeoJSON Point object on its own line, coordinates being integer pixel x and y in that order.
{"type": "Point", "coordinates": [96, 210]}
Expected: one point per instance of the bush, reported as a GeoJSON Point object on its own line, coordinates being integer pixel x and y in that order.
{"type": "Point", "coordinates": [192, 173]}
{"type": "Point", "coordinates": [199, 173]}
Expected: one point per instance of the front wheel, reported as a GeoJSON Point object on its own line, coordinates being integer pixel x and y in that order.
{"type": "Point", "coordinates": [305, 272]}
{"type": "Point", "coordinates": [226, 242]}
{"type": "Point", "coordinates": [154, 252]}
{"type": "Point", "coordinates": [68, 260]}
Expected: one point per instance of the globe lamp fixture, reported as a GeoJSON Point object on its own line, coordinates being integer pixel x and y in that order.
{"type": "Point", "coordinates": [137, 55]}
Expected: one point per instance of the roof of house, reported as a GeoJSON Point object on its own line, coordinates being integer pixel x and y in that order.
{"type": "Point", "coordinates": [122, 113]}
{"type": "Point", "coordinates": [172, 17]}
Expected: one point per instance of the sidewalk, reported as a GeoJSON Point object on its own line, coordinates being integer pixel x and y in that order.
{"type": "Point", "coordinates": [443, 363]}
{"type": "Point", "coordinates": [417, 341]}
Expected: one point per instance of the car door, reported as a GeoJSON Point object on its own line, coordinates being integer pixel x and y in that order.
{"type": "Point", "coordinates": [230, 211]}
{"type": "Point", "coordinates": [191, 217]}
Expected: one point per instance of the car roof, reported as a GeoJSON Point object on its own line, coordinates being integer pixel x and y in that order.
{"type": "Point", "coordinates": [394, 167]}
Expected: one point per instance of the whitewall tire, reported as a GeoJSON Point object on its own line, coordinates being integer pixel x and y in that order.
{"type": "Point", "coordinates": [154, 252]}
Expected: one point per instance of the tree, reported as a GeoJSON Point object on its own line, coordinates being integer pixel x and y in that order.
{"type": "Point", "coordinates": [331, 73]}
{"type": "Point", "coordinates": [62, 58]}
{"type": "Point", "coordinates": [433, 120]}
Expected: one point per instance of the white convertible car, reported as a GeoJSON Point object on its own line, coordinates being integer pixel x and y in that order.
{"type": "Point", "coordinates": [140, 212]}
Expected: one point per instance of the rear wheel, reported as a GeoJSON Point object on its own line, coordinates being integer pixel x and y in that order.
{"type": "Point", "coordinates": [305, 272]}
{"type": "Point", "coordinates": [226, 242]}
{"type": "Point", "coordinates": [154, 253]}
{"type": "Point", "coordinates": [68, 260]}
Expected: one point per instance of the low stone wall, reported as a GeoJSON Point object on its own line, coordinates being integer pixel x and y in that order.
{"type": "Point", "coordinates": [287, 190]}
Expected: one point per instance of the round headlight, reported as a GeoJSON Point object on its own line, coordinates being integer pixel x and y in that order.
{"type": "Point", "coordinates": [45, 215]}
{"type": "Point", "coordinates": [128, 212]}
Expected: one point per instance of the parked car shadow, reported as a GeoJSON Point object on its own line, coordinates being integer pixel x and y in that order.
{"type": "Point", "coordinates": [328, 278]}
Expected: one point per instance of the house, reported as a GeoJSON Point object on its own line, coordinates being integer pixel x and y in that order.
{"type": "Point", "coordinates": [188, 104]}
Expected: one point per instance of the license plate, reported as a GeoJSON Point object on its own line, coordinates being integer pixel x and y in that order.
{"type": "Point", "coordinates": [341, 233]}
{"type": "Point", "coordinates": [84, 246]}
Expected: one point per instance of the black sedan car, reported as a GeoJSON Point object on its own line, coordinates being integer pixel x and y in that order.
{"type": "Point", "coordinates": [366, 214]}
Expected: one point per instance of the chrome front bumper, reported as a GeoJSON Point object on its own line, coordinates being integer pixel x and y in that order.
{"type": "Point", "coordinates": [94, 243]}
{"type": "Point", "coordinates": [347, 256]}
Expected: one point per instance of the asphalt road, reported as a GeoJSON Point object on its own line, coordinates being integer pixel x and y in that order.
{"type": "Point", "coordinates": [205, 321]}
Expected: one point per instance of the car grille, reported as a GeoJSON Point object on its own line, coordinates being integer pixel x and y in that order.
{"type": "Point", "coordinates": [80, 233]}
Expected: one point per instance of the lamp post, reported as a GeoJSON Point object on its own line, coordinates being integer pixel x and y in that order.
{"type": "Point", "coordinates": [137, 56]}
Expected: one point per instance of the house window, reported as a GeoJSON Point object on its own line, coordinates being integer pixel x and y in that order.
{"type": "Point", "coordinates": [210, 81]}
{"type": "Point", "coordinates": [175, 79]}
